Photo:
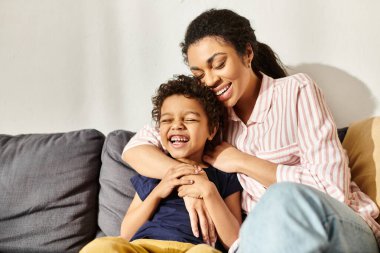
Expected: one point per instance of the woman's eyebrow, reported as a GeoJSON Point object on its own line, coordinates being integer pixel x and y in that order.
{"type": "Point", "coordinates": [209, 60]}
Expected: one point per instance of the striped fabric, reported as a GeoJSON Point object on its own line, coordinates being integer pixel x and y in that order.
{"type": "Point", "coordinates": [291, 126]}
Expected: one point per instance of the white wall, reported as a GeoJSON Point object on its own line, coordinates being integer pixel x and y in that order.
{"type": "Point", "coordinates": [72, 64]}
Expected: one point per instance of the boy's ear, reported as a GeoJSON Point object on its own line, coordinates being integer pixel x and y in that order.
{"type": "Point", "coordinates": [212, 134]}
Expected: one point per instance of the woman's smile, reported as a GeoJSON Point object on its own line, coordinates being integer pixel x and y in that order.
{"type": "Point", "coordinates": [224, 93]}
{"type": "Point", "coordinates": [217, 65]}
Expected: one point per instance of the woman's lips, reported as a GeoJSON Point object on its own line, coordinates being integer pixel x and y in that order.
{"type": "Point", "coordinates": [223, 90]}
{"type": "Point", "coordinates": [224, 93]}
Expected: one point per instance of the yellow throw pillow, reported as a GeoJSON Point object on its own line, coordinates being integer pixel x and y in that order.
{"type": "Point", "coordinates": [362, 143]}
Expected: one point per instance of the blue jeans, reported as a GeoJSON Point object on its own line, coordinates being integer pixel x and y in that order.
{"type": "Point", "coordinates": [296, 218]}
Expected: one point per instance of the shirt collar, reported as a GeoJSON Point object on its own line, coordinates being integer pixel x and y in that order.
{"type": "Point", "coordinates": [263, 102]}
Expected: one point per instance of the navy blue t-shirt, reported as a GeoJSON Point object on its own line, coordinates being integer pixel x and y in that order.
{"type": "Point", "coordinates": [171, 220]}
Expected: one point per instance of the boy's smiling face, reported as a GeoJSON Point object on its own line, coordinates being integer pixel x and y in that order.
{"type": "Point", "coordinates": [184, 127]}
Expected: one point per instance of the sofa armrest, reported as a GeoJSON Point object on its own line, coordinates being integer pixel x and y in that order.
{"type": "Point", "coordinates": [362, 143]}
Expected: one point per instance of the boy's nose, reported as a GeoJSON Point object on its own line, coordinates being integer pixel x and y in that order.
{"type": "Point", "coordinates": [177, 125]}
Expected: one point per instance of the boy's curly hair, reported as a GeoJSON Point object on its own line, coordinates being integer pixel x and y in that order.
{"type": "Point", "coordinates": [190, 87]}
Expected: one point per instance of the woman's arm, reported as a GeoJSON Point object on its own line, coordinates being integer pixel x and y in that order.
{"type": "Point", "coordinates": [229, 159]}
{"type": "Point", "coordinates": [145, 154]}
{"type": "Point", "coordinates": [149, 161]}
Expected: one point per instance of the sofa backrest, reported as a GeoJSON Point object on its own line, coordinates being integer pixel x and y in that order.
{"type": "Point", "coordinates": [49, 191]}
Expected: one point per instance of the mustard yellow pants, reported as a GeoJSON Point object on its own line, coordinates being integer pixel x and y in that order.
{"type": "Point", "coordinates": [120, 245]}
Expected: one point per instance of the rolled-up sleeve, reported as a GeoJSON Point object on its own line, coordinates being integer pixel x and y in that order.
{"type": "Point", "coordinates": [148, 135]}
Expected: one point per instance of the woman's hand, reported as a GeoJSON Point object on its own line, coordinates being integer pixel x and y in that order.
{"type": "Point", "coordinates": [225, 157]}
{"type": "Point", "coordinates": [199, 188]}
{"type": "Point", "coordinates": [199, 215]}
{"type": "Point", "coordinates": [174, 178]}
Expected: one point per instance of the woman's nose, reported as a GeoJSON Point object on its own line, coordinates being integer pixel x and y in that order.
{"type": "Point", "coordinates": [211, 80]}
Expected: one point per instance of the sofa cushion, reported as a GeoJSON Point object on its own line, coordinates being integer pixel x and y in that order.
{"type": "Point", "coordinates": [362, 143]}
{"type": "Point", "coordinates": [116, 190]}
{"type": "Point", "coordinates": [49, 189]}
{"type": "Point", "coordinates": [342, 133]}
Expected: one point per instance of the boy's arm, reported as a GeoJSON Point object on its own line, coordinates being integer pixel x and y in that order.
{"type": "Point", "coordinates": [233, 203]}
{"type": "Point", "coordinates": [138, 213]}
{"type": "Point", "coordinates": [143, 152]}
{"type": "Point", "coordinates": [226, 214]}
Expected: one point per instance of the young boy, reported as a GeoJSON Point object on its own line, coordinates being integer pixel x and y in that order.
{"type": "Point", "coordinates": [189, 118]}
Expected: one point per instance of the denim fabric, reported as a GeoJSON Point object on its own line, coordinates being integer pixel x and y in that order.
{"type": "Point", "coordinates": [293, 218]}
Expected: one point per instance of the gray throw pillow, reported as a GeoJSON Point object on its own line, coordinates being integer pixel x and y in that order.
{"type": "Point", "coordinates": [49, 191]}
{"type": "Point", "coordinates": [116, 190]}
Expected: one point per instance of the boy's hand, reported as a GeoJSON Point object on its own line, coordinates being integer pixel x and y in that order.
{"type": "Point", "coordinates": [174, 178]}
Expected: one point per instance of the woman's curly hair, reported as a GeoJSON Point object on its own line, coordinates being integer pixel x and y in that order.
{"type": "Point", "coordinates": [235, 30]}
{"type": "Point", "coordinates": [190, 87]}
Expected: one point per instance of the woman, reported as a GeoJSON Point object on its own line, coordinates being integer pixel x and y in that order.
{"type": "Point", "coordinates": [282, 142]}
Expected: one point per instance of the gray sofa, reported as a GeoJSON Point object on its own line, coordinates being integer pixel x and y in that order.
{"type": "Point", "coordinates": [60, 191]}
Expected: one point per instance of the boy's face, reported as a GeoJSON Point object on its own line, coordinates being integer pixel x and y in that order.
{"type": "Point", "coordinates": [184, 127]}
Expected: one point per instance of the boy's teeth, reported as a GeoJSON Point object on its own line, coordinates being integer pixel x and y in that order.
{"type": "Point", "coordinates": [178, 139]}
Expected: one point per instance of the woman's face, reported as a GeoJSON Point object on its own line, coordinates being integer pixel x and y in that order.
{"type": "Point", "coordinates": [218, 65]}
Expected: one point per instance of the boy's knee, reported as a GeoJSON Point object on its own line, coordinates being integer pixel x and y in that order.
{"type": "Point", "coordinates": [202, 248]}
{"type": "Point", "coordinates": [104, 244]}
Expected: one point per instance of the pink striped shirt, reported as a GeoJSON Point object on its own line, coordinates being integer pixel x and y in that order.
{"type": "Point", "coordinates": [291, 126]}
